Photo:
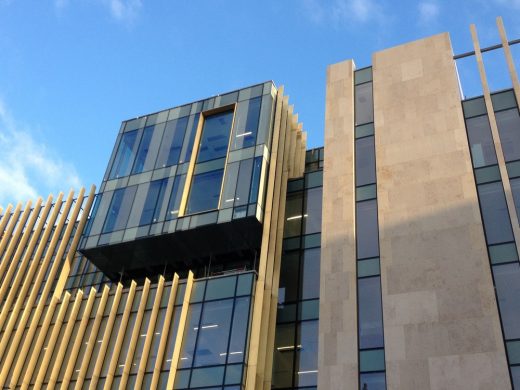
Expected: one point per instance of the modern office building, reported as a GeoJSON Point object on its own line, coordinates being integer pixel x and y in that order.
{"type": "Point", "coordinates": [219, 253]}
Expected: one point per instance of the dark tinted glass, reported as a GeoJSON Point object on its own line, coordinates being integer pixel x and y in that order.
{"type": "Point", "coordinates": [246, 123]}
{"type": "Point", "coordinates": [310, 274]}
{"type": "Point", "coordinates": [288, 288]}
{"type": "Point", "coordinates": [214, 333]}
{"type": "Point", "coordinates": [190, 336]}
{"type": "Point", "coordinates": [370, 313]}
{"type": "Point", "coordinates": [175, 197]}
{"type": "Point", "coordinates": [125, 155]}
{"type": "Point", "coordinates": [515, 373]}
{"type": "Point", "coordinates": [215, 136]}
{"type": "Point", "coordinates": [142, 152]}
{"type": "Point", "coordinates": [205, 191]}
{"type": "Point", "coordinates": [507, 282]}
{"type": "Point", "coordinates": [364, 104]}
{"type": "Point", "coordinates": [255, 181]}
{"type": "Point", "coordinates": [508, 123]}
{"type": "Point", "coordinates": [312, 211]}
{"type": "Point", "coordinates": [374, 381]}
{"type": "Point", "coordinates": [367, 229]}
{"type": "Point", "coordinates": [119, 209]}
{"type": "Point", "coordinates": [494, 213]}
{"type": "Point", "coordinates": [306, 372]}
{"type": "Point", "coordinates": [237, 344]}
{"type": "Point", "coordinates": [284, 346]}
{"type": "Point", "coordinates": [189, 139]}
{"type": "Point", "coordinates": [481, 142]}
{"type": "Point", "coordinates": [293, 215]}
{"type": "Point", "coordinates": [171, 145]}
{"type": "Point", "coordinates": [515, 188]}
{"type": "Point", "coordinates": [365, 161]}
{"type": "Point", "coordinates": [153, 198]}
{"type": "Point", "coordinates": [244, 182]}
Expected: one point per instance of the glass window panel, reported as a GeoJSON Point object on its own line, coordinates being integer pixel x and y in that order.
{"type": "Point", "coordinates": [487, 174]}
{"type": "Point", "coordinates": [230, 183]}
{"type": "Point", "coordinates": [312, 241]}
{"type": "Point", "coordinates": [310, 274]}
{"type": "Point", "coordinates": [172, 334]}
{"type": "Point", "coordinates": [366, 192]}
{"type": "Point", "coordinates": [515, 373]}
{"type": "Point", "coordinates": [513, 352]}
{"type": "Point", "coordinates": [119, 210]}
{"type": "Point", "coordinates": [245, 284]}
{"type": "Point", "coordinates": [142, 152]}
{"type": "Point", "coordinates": [474, 107]}
{"type": "Point", "coordinates": [156, 338]}
{"type": "Point", "coordinates": [220, 288]}
{"type": "Point", "coordinates": [363, 75]}
{"type": "Point", "coordinates": [314, 179]}
{"type": "Point", "coordinates": [309, 310]}
{"type": "Point", "coordinates": [288, 287]}
{"type": "Point", "coordinates": [140, 342]}
{"type": "Point", "coordinates": [284, 346]}
{"type": "Point", "coordinates": [507, 283]}
{"type": "Point", "coordinates": [244, 182]}
{"type": "Point", "coordinates": [369, 267]}
{"type": "Point", "coordinates": [513, 169]}
{"type": "Point", "coordinates": [182, 379]}
{"type": "Point", "coordinates": [208, 376]}
{"type": "Point", "coordinates": [286, 312]}
{"type": "Point", "coordinates": [125, 155]}
{"type": "Point", "coordinates": [293, 214]}
{"type": "Point", "coordinates": [364, 103]}
{"type": "Point", "coordinates": [214, 333]}
{"type": "Point", "coordinates": [190, 336]}
{"type": "Point", "coordinates": [307, 355]}
{"type": "Point", "coordinates": [370, 313]}
{"type": "Point", "coordinates": [481, 142]}
{"type": "Point", "coordinates": [294, 185]}
{"type": "Point", "coordinates": [197, 293]}
{"type": "Point", "coordinates": [175, 197]}
{"type": "Point", "coordinates": [126, 343]}
{"type": "Point", "coordinates": [372, 360]}
{"type": "Point", "coordinates": [494, 213]}
{"type": "Point", "coordinates": [233, 374]}
{"type": "Point", "coordinates": [367, 236]}
{"type": "Point", "coordinates": [215, 136]}
{"type": "Point", "coordinates": [503, 100]}
{"type": "Point", "coordinates": [171, 144]}
{"type": "Point", "coordinates": [237, 343]}
{"type": "Point", "coordinates": [189, 138]}
{"type": "Point", "coordinates": [374, 381]}
{"type": "Point", "coordinates": [205, 191]}
{"type": "Point", "coordinates": [246, 123]}
{"type": "Point", "coordinates": [364, 130]}
{"type": "Point", "coordinates": [508, 123]}
{"type": "Point", "coordinates": [365, 161]}
{"type": "Point", "coordinates": [503, 253]}
{"type": "Point", "coordinates": [312, 213]}
{"type": "Point", "coordinates": [266, 117]}
{"type": "Point", "coordinates": [255, 181]}
{"type": "Point", "coordinates": [515, 189]}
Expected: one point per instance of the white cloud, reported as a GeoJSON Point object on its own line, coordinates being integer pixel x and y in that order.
{"type": "Point", "coordinates": [428, 11]}
{"type": "Point", "coordinates": [120, 10]}
{"type": "Point", "coordinates": [27, 168]}
{"type": "Point", "coordinates": [342, 11]}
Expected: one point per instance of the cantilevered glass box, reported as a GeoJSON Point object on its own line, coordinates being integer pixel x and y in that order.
{"type": "Point", "coordinates": [185, 187]}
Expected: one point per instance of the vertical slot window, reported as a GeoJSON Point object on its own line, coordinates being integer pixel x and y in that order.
{"type": "Point", "coordinates": [189, 139]}
{"type": "Point", "coordinates": [215, 136]}
{"type": "Point", "coordinates": [480, 141]}
{"type": "Point", "coordinates": [246, 123]}
{"type": "Point", "coordinates": [153, 201]}
{"type": "Point", "coordinates": [367, 234]}
{"type": "Point", "coordinates": [370, 313]}
{"type": "Point", "coordinates": [125, 155]}
{"type": "Point", "coordinates": [365, 161]}
{"type": "Point", "coordinates": [494, 213]}
{"type": "Point", "coordinates": [364, 107]}
{"type": "Point", "coordinates": [175, 197]}
{"type": "Point", "coordinates": [142, 152]}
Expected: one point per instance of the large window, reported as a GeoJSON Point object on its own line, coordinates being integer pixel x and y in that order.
{"type": "Point", "coordinates": [171, 145]}
{"type": "Point", "coordinates": [246, 123]}
{"type": "Point", "coordinates": [481, 142]}
{"type": "Point", "coordinates": [205, 191]}
{"type": "Point", "coordinates": [119, 209]}
{"type": "Point", "coordinates": [124, 156]}
{"type": "Point", "coordinates": [215, 136]}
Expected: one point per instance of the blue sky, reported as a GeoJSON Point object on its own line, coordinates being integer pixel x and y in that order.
{"type": "Point", "coordinates": [72, 70]}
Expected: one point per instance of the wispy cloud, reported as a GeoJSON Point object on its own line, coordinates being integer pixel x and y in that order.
{"type": "Point", "coordinates": [428, 11]}
{"type": "Point", "coordinates": [121, 10]}
{"type": "Point", "coordinates": [342, 11]}
{"type": "Point", "coordinates": [27, 167]}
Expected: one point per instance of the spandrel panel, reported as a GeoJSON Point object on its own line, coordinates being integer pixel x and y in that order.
{"type": "Point", "coordinates": [119, 210]}
{"type": "Point", "coordinates": [189, 138]}
{"type": "Point", "coordinates": [175, 197]}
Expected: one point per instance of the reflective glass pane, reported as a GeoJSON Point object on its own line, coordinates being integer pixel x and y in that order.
{"type": "Point", "coordinates": [515, 373]}
{"type": "Point", "coordinates": [220, 288]}
{"type": "Point", "coordinates": [310, 274]}
{"type": "Point", "coordinates": [288, 287]}
{"type": "Point", "coordinates": [369, 267]}
{"type": "Point", "coordinates": [513, 352]}
{"type": "Point", "coordinates": [284, 346]}
{"type": "Point", "coordinates": [245, 283]}
{"type": "Point", "coordinates": [307, 355]}
{"type": "Point", "coordinates": [312, 210]}
{"type": "Point", "coordinates": [209, 376]}
{"type": "Point", "coordinates": [142, 152]}
{"type": "Point", "coordinates": [237, 344]}
{"type": "Point", "coordinates": [370, 313]}
{"type": "Point", "coordinates": [508, 123]}
{"type": "Point", "coordinates": [172, 333]}
{"type": "Point", "coordinates": [372, 360]}
{"type": "Point", "coordinates": [153, 198]}
{"type": "Point", "coordinates": [494, 212]}
{"type": "Point", "coordinates": [367, 236]}
{"type": "Point", "coordinates": [233, 374]}
{"type": "Point", "coordinates": [214, 333]}
{"type": "Point", "coordinates": [293, 214]}
{"type": "Point", "coordinates": [190, 336]}
{"type": "Point", "coordinates": [503, 100]}
{"type": "Point", "coordinates": [365, 161]}
{"type": "Point", "coordinates": [481, 142]}
{"type": "Point", "coordinates": [171, 145]}
{"type": "Point", "coordinates": [215, 136]}
{"type": "Point", "coordinates": [205, 191]}
{"type": "Point", "coordinates": [364, 104]}
{"type": "Point", "coordinates": [255, 181]}
{"type": "Point", "coordinates": [363, 75]}
{"type": "Point", "coordinates": [119, 210]}
{"type": "Point", "coordinates": [125, 155]}
{"type": "Point", "coordinates": [374, 381]}
{"type": "Point", "coordinates": [507, 282]}
{"type": "Point", "coordinates": [244, 182]}
{"type": "Point", "coordinates": [474, 107]}
{"type": "Point", "coordinates": [189, 138]}
{"type": "Point", "coordinates": [230, 183]}
{"type": "Point", "coordinates": [515, 188]}
{"type": "Point", "coordinates": [246, 123]}
{"type": "Point", "coordinates": [175, 197]}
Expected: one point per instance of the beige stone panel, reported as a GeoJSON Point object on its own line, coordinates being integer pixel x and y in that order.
{"type": "Point", "coordinates": [438, 297]}
{"type": "Point", "coordinates": [337, 355]}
